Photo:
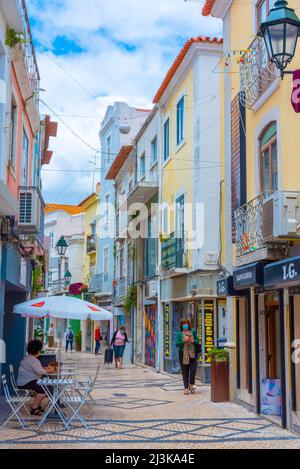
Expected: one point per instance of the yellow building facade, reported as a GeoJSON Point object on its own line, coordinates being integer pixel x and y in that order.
{"type": "Point", "coordinates": [262, 194]}
{"type": "Point", "coordinates": [190, 199]}
{"type": "Point", "coordinates": [90, 206]}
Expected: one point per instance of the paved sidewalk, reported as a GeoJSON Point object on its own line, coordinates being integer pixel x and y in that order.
{"type": "Point", "coordinates": [138, 408]}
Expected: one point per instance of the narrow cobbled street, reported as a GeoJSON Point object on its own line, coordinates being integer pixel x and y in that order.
{"type": "Point", "coordinates": [139, 408]}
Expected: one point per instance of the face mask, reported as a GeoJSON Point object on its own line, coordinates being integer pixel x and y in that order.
{"type": "Point", "coordinates": [185, 327]}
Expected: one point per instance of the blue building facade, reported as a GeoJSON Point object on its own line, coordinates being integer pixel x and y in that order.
{"type": "Point", "coordinates": [119, 127]}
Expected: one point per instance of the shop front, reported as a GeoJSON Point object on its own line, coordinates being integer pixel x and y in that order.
{"type": "Point", "coordinates": [246, 280]}
{"type": "Point", "coordinates": [284, 277]}
{"type": "Point", "coordinates": [202, 312]}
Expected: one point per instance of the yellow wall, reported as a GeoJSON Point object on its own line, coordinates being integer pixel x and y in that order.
{"type": "Point", "coordinates": [91, 208]}
{"type": "Point", "coordinates": [242, 34]}
{"type": "Point", "coordinates": [176, 177]}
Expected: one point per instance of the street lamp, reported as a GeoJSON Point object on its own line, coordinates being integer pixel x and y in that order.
{"type": "Point", "coordinates": [68, 277]}
{"type": "Point", "coordinates": [280, 32]}
{"type": "Point", "coordinates": [61, 247]}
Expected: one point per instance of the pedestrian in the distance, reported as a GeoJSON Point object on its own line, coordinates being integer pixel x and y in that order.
{"type": "Point", "coordinates": [118, 342]}
{"type": "Point", "coordinates": [51, 336]}
{"type": "Point", "coordinates": [98, 339]}
{"type": "Point", "coordinates": [69, 339]}
{"type": "Point", "coordinates": [187, 343]}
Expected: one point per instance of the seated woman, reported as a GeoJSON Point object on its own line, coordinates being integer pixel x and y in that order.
{"type": "Point", "coordinates": [30, 371]}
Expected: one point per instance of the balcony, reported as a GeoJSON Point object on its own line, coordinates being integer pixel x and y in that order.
{"type": "Point", "coordinates": [58, 286]}
{"type": "Point", "coordinates": [24, 60]}
{"type": "Point", "coordinates": [101, 285]}
{"type": "Point", "coordinates": [265, 225]}
{"type": "Point", "coordinates": [145, 187]}
{"type": "Point", "coordinates": [257, 74]}
{"type": "Point", "coordinates": [91, 244]}
{"type": "Point", "coordinates": [120, 289]}
{"type": "Point", "coordinates": [172, 255]}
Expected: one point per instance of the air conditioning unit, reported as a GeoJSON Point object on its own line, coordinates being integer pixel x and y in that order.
{"type": "Point", "coordinates": [29, 212]}
{"type": "Point", "coordinates": [281, 217]}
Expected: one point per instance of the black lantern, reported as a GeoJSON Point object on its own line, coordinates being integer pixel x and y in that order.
{"type": "Point", "coordinates": [62, 246]}
{"type": "Point", "coordinates": [280, 33]}
{"type": "Point", "coordinates": [68, 277]}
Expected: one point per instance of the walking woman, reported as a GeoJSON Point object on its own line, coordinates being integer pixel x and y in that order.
{"type": "Point", "coordinates": [119, 341]}
{"type": "Point", "coordinates": [187, 342]}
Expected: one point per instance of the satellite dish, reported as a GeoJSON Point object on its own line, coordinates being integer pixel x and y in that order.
{"type": "Point", "coordinates": [124, 128]}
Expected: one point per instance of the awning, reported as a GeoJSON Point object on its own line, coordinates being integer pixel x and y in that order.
{"type": "Point", "coordinates": [225, 287]}
{"type": "Point", "coordinates": [249, 276]}
{"type": "Point", "coordinates": [283, 273]}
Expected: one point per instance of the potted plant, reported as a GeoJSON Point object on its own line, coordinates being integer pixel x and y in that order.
{"type": "Point", "coordinates": [219, 375]}
{"type": "Point", "coordinates": [78, 341]}
{"type": "Point", "coordinates": [39, 333]}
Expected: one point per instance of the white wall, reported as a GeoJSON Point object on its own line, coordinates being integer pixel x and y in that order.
{"type": "Point", "coordinates": [207, 157]}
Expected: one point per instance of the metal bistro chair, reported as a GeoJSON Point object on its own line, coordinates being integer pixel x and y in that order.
{"type": "Point", "coordinates": [75, 403]}
{"type": "Point", "coordinates": [20, 392]}
{"type": "Point", "coordinates": [15, 403]}
{"type": "Point", "coordinates": [81, 385]}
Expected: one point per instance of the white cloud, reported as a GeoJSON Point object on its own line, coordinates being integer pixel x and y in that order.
{"type": "Point", "coordinates": [127, 47]}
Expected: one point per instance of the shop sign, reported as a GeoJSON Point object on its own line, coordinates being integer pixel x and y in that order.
{"type": "Point", "coordinates": [283, 273]}
{"type": "Point", "coordinates": [199, 329]}
{"type": "Point", "coordinates": [225, 287]}
{"type": "Point", "coordinates": [167, 330]}
{"type": "Point", "coordinates": [249, 276]}
{"type": "Point", "coordinates": [208, 328]}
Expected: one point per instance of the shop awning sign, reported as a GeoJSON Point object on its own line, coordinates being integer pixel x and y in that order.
{"type": "Point", "coordinates": [283, 273]}
{"type": "Point", "coordinates": [249, 276]}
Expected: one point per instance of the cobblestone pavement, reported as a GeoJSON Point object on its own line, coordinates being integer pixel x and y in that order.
{"type": "Point", "coordinates": [138, 408]}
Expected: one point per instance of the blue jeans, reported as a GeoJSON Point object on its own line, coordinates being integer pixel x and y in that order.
{"type": "Point", "coordinates": [97, 347]}
{"type": "Point", "coordinates": [71, 345]}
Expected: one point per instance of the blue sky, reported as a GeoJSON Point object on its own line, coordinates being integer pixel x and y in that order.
{"type": "Point", "coordinates": [94, 52]}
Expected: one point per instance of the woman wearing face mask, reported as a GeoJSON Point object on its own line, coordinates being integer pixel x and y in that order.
{"type": "Point", "coordinates": [119, 343]}
{"type": "Point", "coordinates": [187, 342]}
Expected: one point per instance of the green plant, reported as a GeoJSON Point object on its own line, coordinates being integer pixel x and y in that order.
{"type": "Point", "coordinates": [13, 38]}
{"type": "Point", "coordinates": [131, 298]}
{"type": "Point", "coordinates": [78, 339]}
{"type": "Point", "coordinates": [37, 280]}
{"type": "Point", "coordinates": [38, 332]}
{"type": "Point", "coordinates": [219, 355]}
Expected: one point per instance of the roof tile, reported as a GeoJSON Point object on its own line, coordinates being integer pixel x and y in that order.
{"type": "Point", "coordinates": [178, 61]}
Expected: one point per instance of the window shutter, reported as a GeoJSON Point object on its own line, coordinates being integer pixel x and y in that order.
{"type": "Point", "coordinates": [238, 158]}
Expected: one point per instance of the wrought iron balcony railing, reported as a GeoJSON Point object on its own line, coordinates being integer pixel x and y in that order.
{"type": "Point", "coordinates": [29, 52]}
{"type": "Point", "coordinates": [248, 226]}
{"type": "Point", "coordinates": [256, 73]}
{"type": "Point", "coordinates": [172, 253]}
{"type": "Point", "coordinates": [120, 288]}
{"type": "Point", "coordinates": [101, 283]}
{"type": "Point", "coordinates": [90, 244]}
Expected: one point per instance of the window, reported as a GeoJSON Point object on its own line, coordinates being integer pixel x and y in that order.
{"type": "Point", "coordinates": [143, 165]}
{"type": "Point", "coordinates": [108, 151]}
{"type": "Point", "coordinates": [105, 262]}
{"type": "Point", "coordinates": [150, 250]}
{"type": "Point", "coordinates": [13, 133]}
{"type": "Point", "coordinates": [107, 208]}
{"type": "Point", "coordinates": [180, 121]}
{"type": "Point", "coordinates": [154, 151]}
{"type": "Point", "coordinates": [268, 159]}
{"type": "Point", "coordinates": [179, 232]}
{"type": "Point", "coordinates": [167, 140]}
{"type": "Point", "coordinates": [25, 159]}
{"type": "Point", "coordinates": [52, 240]}
{"type": "Point", "coordinates": [263, 8]}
